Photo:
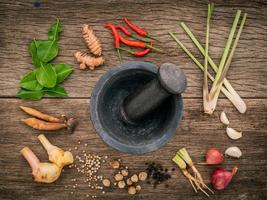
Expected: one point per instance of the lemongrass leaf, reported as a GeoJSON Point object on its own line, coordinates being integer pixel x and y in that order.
{"type": "Point", "coordinates": [227, 47]}
{"type": "Point", "coordinates": [229, 60]}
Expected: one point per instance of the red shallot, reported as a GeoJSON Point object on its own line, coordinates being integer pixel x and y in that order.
{"type": "Point", "coordinates": [221, 178]}
{"type": "Point", "coordinates": [213, 157]}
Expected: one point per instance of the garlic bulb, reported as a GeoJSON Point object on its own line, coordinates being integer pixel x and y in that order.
{"type": "Point", "coordinates": [233, 134]}
{"type": "Point", "coordinates": [233, 152]}
{"type": "Point", "coordinates": [224, 118]}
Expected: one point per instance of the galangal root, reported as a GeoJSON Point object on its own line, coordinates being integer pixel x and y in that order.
{"type": "Point", "coordinates": [43, 125]}
{"type": "Point", "coordinates": [46, 122]}
{"type": "Point", "coordinates": [91, 40]}
{"type": "Point", "coordinates": [56, 154]}
{"type": "Point", "coordinates": [39, 115]}
{"type": "Point", "coordinates": [88, 61]}
{"type": "Point", "coordinates": [43, 171]}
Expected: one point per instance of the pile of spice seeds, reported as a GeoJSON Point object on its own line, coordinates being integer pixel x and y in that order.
{"type": "Point", "coordinates": [88, 166]}
{"type": "Point", "coordinates": [123, 179]}
{"type": "Point", "coordinates": [157, 174]}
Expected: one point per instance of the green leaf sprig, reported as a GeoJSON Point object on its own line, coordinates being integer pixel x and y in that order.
{"type": "Point", "coordinates": [46, 77]}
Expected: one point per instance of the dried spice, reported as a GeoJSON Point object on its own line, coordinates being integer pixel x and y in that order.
{"type": "Point", "coordinates": [132, 190]}
{"type": "Point", "coordinates": [121, 184]}
{"type": "Point", "coordinates": [88, 166]}
{"type": "Point", "coordinates": [115, 164]}
{"type": "Point", "coordinates": [142, 176]}
{"type": "Point", "coordinates": [156, 173]}
{"type": "Point", "coordinates": [106, 182]}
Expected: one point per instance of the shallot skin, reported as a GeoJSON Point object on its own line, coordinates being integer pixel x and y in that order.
{"type": "Point", "coordinates": [221, 178]}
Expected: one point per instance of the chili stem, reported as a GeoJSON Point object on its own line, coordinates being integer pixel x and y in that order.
{"type": "Point", "coordinates": [139, 38]}
{"type": "Point", "coordinates": [149, 36]}
{"type": "Point", "coordinates": [123, 49]}
{"type": "Point", "coordinates": [154, 48]}
{"type": "Point", "coordinates": [119, 55]}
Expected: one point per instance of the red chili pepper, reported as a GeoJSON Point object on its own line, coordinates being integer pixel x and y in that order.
{"type": "Point", "coordinates": [138, 30]}
{"type": "Point", "coordinates": [116, 38]}
{"type": "Point", "coordinates": [124, 30]}
{"type": "Point", "coordinates": [115, 34]}
{"type": "Point", "coordinates": [128, 33]}
{"type": "Point", "coordinates": [135, 43]}
{"type": "Point", "coordinates": [138, 53]}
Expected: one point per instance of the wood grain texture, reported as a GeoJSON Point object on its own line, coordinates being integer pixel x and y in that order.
{"type": "Point", "coordinates": [21, 22]}
{"type": "Point", "coordinates": [197, 133]}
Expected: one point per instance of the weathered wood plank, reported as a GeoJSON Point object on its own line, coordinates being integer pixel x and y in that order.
{"type": "Point", "coordinates": [197, 133]}
{"type": "Point", "coordinates": [21, 22]}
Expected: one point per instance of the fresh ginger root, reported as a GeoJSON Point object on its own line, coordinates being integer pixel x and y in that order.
{"type": "Point", "coordinates": [41, 171]}
{"type": "Point", "coordinates": [56, 155]}
{"type": "Point", "coordinates": [88, 61]}
{"type": "Point", "coordinates": [91, 40]}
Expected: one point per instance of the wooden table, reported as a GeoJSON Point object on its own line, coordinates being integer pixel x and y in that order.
{"type": "Point", "coordinates": [21, 21]}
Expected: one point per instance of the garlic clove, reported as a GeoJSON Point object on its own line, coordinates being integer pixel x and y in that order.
{"type": "Point", "coordinates": [224, 118]}
{"type": "Point", "coordinates": [233, 134]}
{"type": "Point", "coordinates": [233, 152]}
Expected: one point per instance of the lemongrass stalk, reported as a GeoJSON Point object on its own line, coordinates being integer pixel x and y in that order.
{"type": "Point", "coordinates": [182, 165]}
{"type": "Point", "coordinates": [233, 96]}
{"type": "Point", "coordinates": [230, 93]}
{"type": "Point", "coordinates": [185, 156]}
{"type": "Point", "coordinates": [206, 96]}
{"type": "Point", "coordinates": [216, 87]}
{"type": "Point", "coordinates": [211, 101]}
{"type": "Point", "coordinates": [224, 90]}
{"type": "Point", "coordinates": [179, 161]}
